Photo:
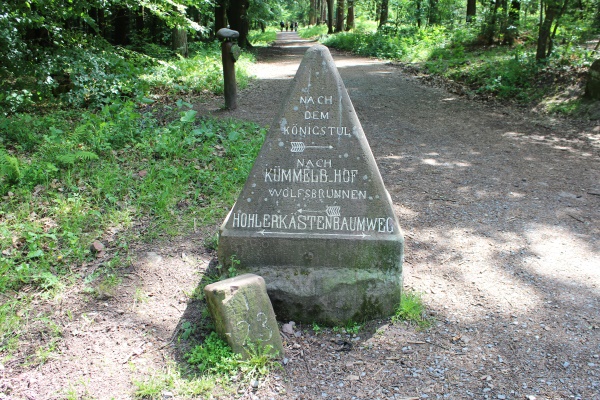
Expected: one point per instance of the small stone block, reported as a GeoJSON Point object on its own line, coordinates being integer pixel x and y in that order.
{"type": "Point", "coordinates": [243, 314]}
{"type": "Point", "coordinates": [225, 33]}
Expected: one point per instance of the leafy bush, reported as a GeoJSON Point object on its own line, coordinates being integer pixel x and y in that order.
{"type": "Point", "coordinates": [404, 43]}
{"type": "Point", "coordinates": [502, 71]}
{"type": "Point", "coordinates": [214, 356]}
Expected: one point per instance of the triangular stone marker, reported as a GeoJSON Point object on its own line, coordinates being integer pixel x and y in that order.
{"type": "Point", "coordinates": [314, 218]}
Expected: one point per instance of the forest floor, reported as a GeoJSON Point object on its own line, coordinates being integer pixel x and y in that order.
{"type": "Point", "coordinates": [501, 215]}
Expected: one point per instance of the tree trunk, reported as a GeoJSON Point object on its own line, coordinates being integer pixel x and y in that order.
{"type": "Point", "coordinates": [384, 12]}
{"type": "Point", "coordinates": [339, 18]}
{"type": "Point", "coordinates": [544, 32]}
{"type": "Point", "coordinates": [139, 20]}
{"type": "Point", "coordinates": [419, 13]}
{"type": "Point", "coordinates": [350, 18]}
{"type": "Point", "coordinates": [512, 28]}
{"type": "Point", "coordinates": [98, 16]}
{"type": "Point", "coordinates": [471, 10]}
{"type": "Point", "coordinates": [312, 13]}
{"type": "Point", "coordinates": [556, 23]}
{"type": "Point", "coordinates": [489, 28]}
{"type": "Point", "coordinates": [434, 12]}
{"type": "Point", "coordinates": [237, 14]}
{"type": "Point", "coordinates": [179, 41]}
{"type": "Point", "coordinates": [121, 34]}
{"type": "Point", "coordinates": [220, 15]}
{"type": "Point", "coordinates": [329, 17]}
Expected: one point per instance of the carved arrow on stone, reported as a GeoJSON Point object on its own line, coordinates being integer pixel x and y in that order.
{"type": "Point", "coordinates": [299, 147]}
{"type": "Point", "coordinates": [362, 234]}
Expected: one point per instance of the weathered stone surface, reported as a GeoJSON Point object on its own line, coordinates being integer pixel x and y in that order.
{"type": "Point", "coordinates": [243, 313]}
{"type": "Point", "coordinates": [314, 218]}
{"type": "Point", "coordinates": [592, 87]}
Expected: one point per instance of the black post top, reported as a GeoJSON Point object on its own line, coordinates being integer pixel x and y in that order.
{"type": "Point", "coordinates": [227, 34]}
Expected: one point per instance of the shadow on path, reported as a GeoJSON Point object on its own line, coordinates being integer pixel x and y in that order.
{"type": "Point", "coordinates": [500, 211]}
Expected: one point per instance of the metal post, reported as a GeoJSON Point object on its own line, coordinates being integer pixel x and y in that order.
{"type": "Point", "coordinates": [229, 55]}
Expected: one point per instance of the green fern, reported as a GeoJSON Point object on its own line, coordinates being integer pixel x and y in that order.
{"type": "Point", "coordinates": [9, 168]}
{"type": "Point", "coordinates": [80, 155]}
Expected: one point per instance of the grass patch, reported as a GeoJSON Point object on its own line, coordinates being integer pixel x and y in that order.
{"type": "Point", "coordinates": [412, 311]}
{"type": "Point", "coordinates": [213, 367]}
{"type": "Point", "coordinates": [166, 174]}
{"type": "Point", "coordinates": [130, 170]}
{"type": "Point", "coordinates": [214, 357]}
{"type": "Point", "coordinates": [262, 39]}
{"type": "Point", "coordinates": [174, 381]}
{"type": "Point", "coordinates": [312, 31]}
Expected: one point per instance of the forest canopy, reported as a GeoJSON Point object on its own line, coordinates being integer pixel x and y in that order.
{"type": "Point", "coordinates": [53, 47]}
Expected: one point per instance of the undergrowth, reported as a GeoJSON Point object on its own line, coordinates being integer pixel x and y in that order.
{"type": "Point", "coordinates": [67, 184]}
{"type": "Point", "coordinates": [70, 178]}
{"type": "Point", "coordinates": [261, 39]}
{"type": "Point", "coordinates": [505, 72]}
{"type": "Point", "coordinates": [213, 366]}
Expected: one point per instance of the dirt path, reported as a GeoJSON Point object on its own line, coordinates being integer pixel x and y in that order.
{"type": "Point", "coordinates": [501, 214]}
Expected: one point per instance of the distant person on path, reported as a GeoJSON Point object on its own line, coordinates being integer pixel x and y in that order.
{"type": "Point", "coordinates": [296, 26]}
{"type": "Point", "coordinates": [282, 25]}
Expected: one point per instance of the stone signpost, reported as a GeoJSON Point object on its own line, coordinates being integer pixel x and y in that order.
{"type": "Point", "coordinates": [314, 218]}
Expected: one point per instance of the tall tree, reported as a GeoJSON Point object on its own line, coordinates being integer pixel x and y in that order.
{"type": "Point", "coordinates": [419, 12]}
{"type": "Point", "coordinates": [350, 17]}
{"type": "Point", "coordinates": [329, 17]}
{"type": "Point", "coordinates": [237, 14]}
{"type": "Point", "coordinates": [121, 24]}
{"type": "Point", "coordinates": [384, 12]}
{"type": "Point", "coordinates": [179, 42]}
{"type": "Point", "coordinates": [489, 27]}
{"type": "Point", "coordinates": [434, 17]}
{"type": "Point", "coordinates": [553, 10]}
{"type": "Point", "coordinates": [339, 18]}
{"type": "Point", "coordinates": [512, 26]}
{"type": "Point", "coordinates": [220, 15]}
{"type": "Point", "coordinates": [471, 10]}
{"type": "Point", "coordinates": [312, 12]}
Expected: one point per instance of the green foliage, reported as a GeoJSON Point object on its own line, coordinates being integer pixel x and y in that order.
{"type": "Point", "coordinates": [214, 357]}
{"type": "Point", "coordinates": [200, 73]}
{"type": "Point", "coordinates": [11, 314]}
{"type": "Point", "coordinates": [316, 328]}
{"type": "Point", "coordinates": [412, 310]}
{"type": "Point", "coordinates": [399, 43]}
{"type": "Point", "coordinates": [260, 361]}
{"type": "Point", "coordinates": [233, 268]}
{"type": "Point", "coordinates": [259, 38]}
{"type": "Point", "coordinates": [501, 71]}
{"type": "Point", "coordinates": [9, 169]}
{"type": "Point", "coordinates": [86, 177]}
{"type": "Point", "coordinates": [312, 31]}
{"type": "Point", "coordinates": [352, 327]}
{"type": "Point", "coordinates": [174, 380]}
